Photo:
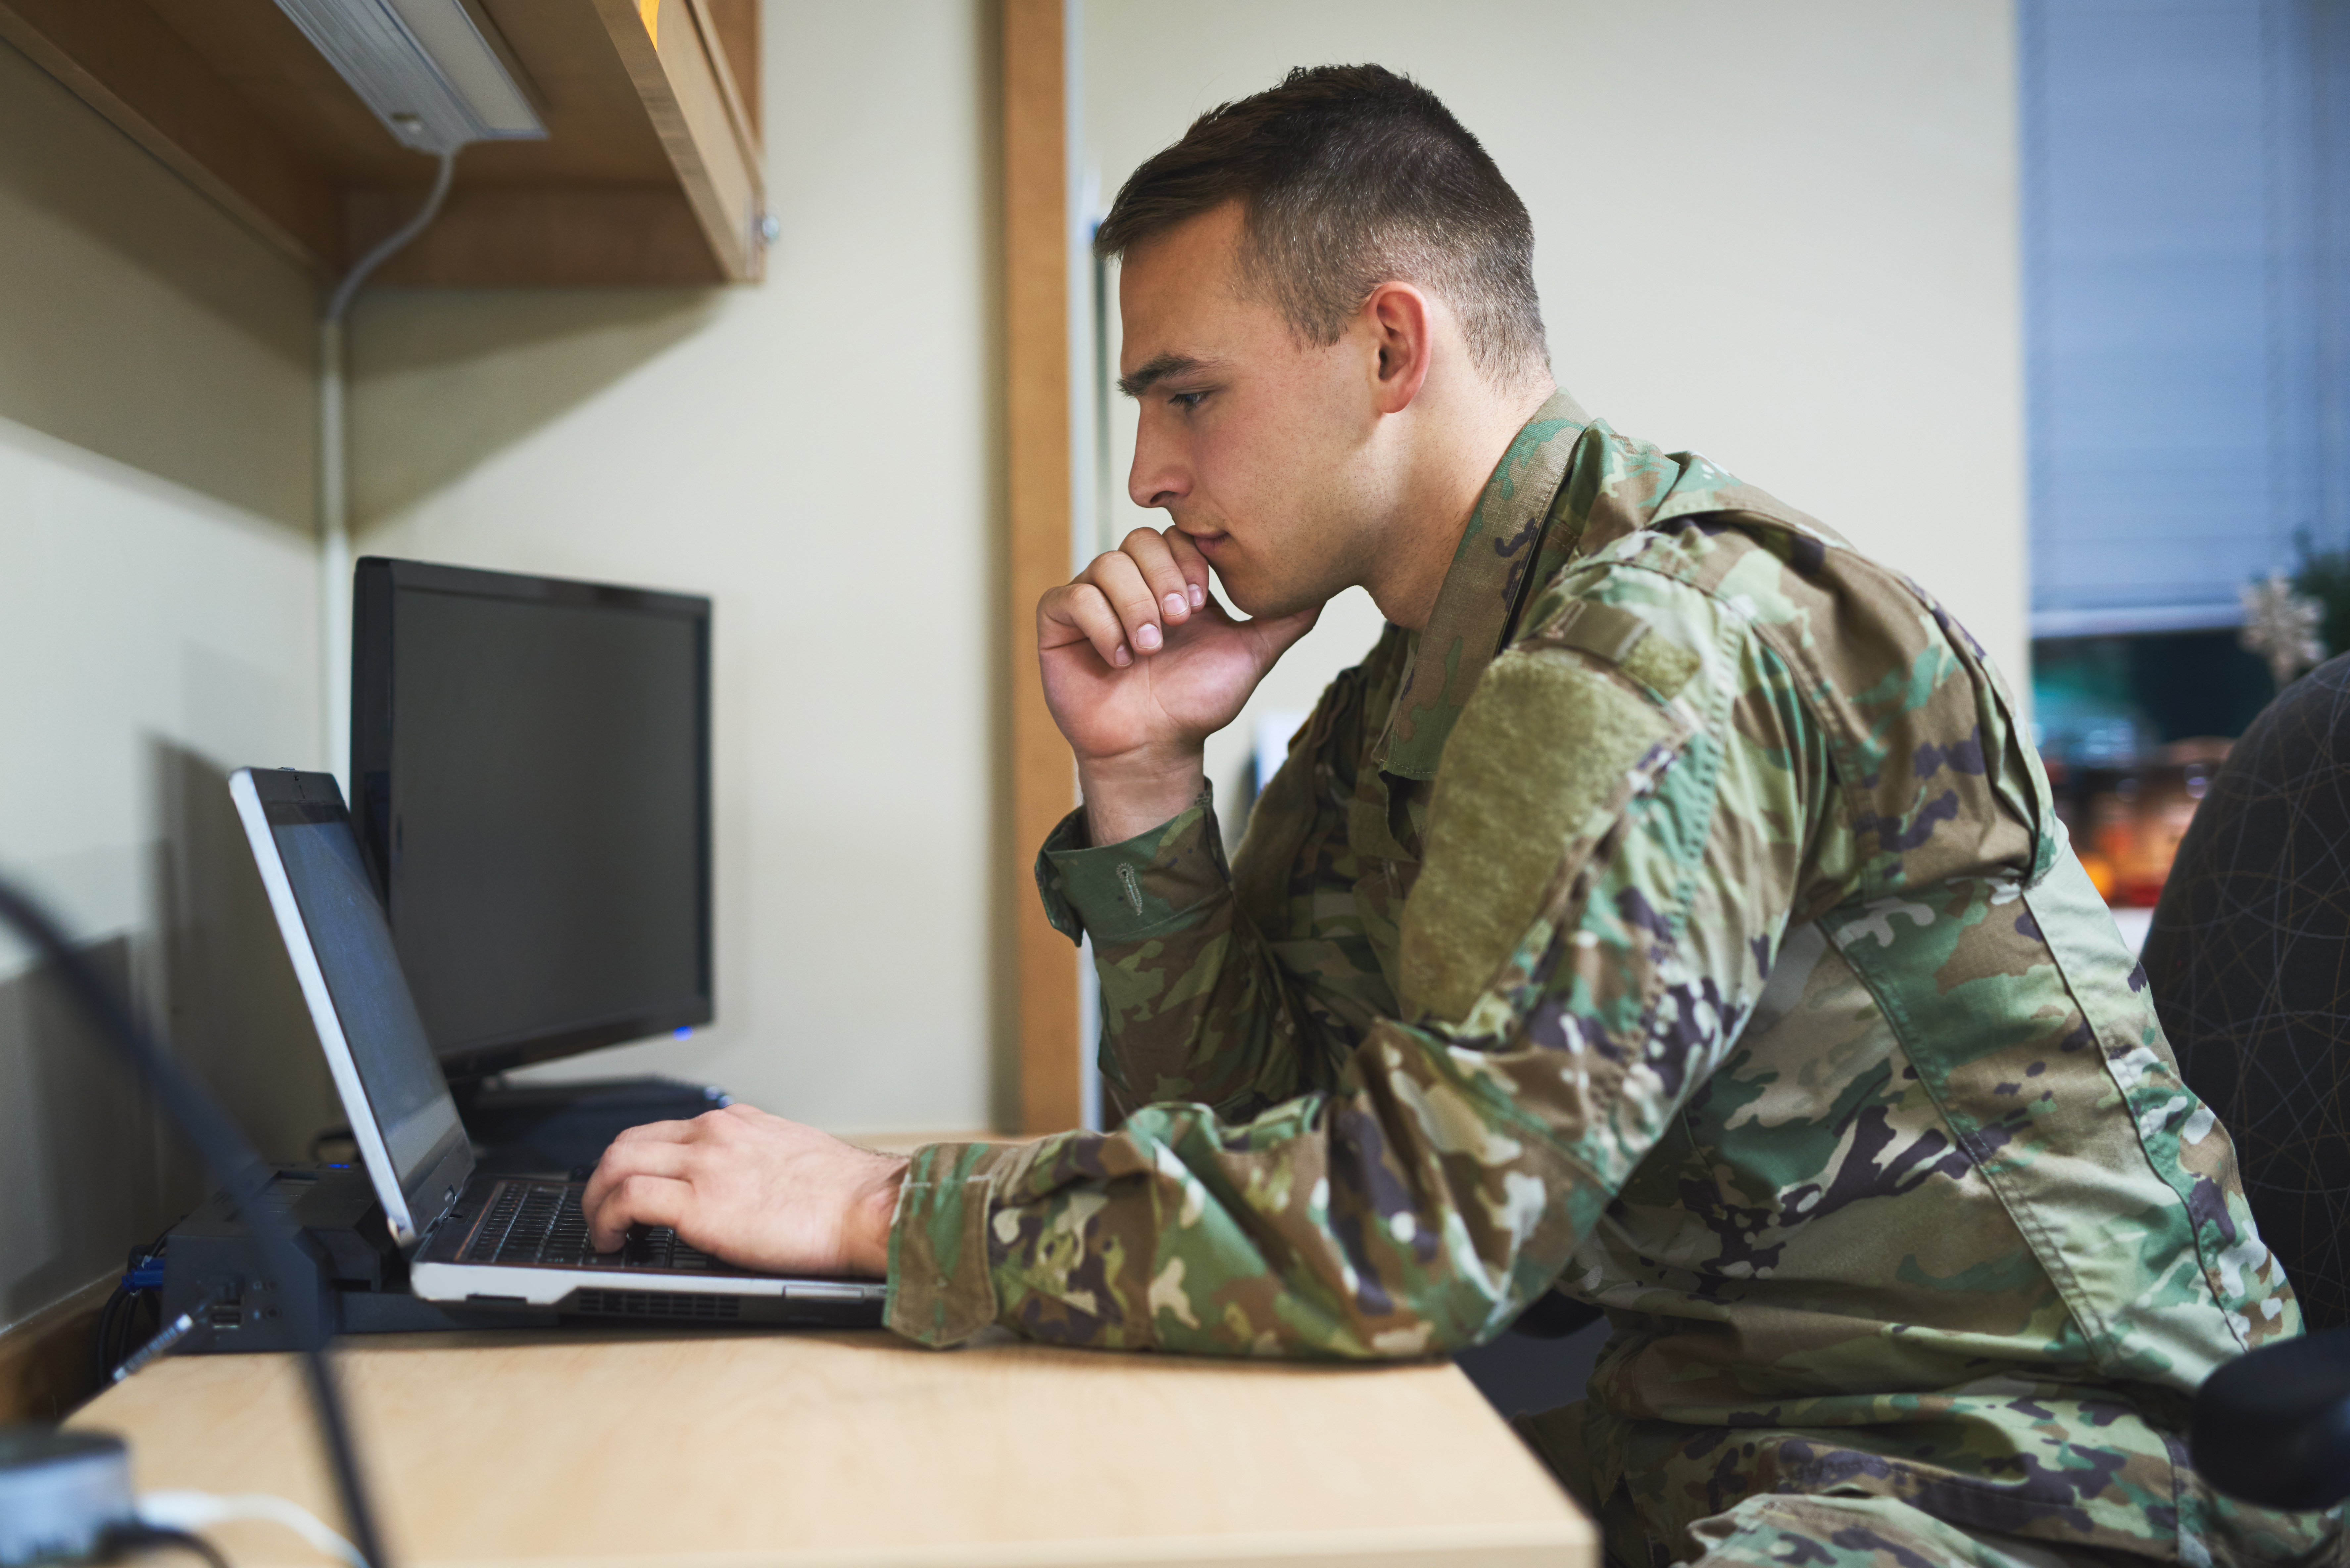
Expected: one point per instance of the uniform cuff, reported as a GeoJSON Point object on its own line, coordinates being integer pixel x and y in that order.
{"type": "Point", "coordinates": [942, 1289]}
{"type": "Point", "coordinates": [1136, 888]}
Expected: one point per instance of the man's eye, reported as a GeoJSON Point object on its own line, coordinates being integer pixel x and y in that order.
{"type": "Point", "coordinates": [1187, 401]}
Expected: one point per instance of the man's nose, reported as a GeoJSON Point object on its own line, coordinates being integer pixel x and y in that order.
{"type": "Point", "coordinates": [1158, 478]}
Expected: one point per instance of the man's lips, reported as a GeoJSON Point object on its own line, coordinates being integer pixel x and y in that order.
{"type": "Point", "coordinates": [1209, 544]}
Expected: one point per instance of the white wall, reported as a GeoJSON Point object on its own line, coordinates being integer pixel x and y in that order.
{"type": "Point", "coordinates": [157, 625]}
{"type": "Point", "coordinates": [1783, 235]}
{"type": "Point", "coordinates": [817, 453]}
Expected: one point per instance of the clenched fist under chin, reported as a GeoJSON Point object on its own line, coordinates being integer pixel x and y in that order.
{"type": "Point", "coordinates": [757, 1190]}
{"type": "Point", "coordinates": [1140, 666]}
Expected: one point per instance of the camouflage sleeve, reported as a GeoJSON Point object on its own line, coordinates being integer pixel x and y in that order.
{"type": "Point", "coordinates": [1235, 987]}
{"type": "Point", "coordinates": [1159, 907]}
{"type": "Point", "coordinates": [1613, 850]}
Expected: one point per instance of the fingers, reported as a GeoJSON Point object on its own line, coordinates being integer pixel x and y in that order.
{"type": "Point", "coordinates": [661, 1132]}
{"type": "Point", "coordinates": [639, 1199]}
{"type": "Point", "coordinates": [1190, 564]}
{"type": "Point", "coordinates": [1125, 602]}
{"type": "Point", "coordinates": [1077, 612]}
{"type": "Point", "coordinates": [1175, 588]}
{"type": "Point", "coordinates": [644, 1177]}
{"type": "Point", "coordinates": [656, 1148]}
{"type": "Point", "coordinates": [1121, 581]}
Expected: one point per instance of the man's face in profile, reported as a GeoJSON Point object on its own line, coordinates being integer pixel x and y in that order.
{"type": "Point", "coordinates": [1249, 437]}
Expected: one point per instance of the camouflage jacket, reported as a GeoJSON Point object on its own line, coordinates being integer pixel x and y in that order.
{"type": "Point", "coordinates": [1679, 921]}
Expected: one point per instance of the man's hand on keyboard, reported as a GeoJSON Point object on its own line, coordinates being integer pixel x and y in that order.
{"type": "Point", "coordinates": [756, 1190]}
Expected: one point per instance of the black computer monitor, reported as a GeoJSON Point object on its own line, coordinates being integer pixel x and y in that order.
{"type": "Point", "coordinates": [530, 778]}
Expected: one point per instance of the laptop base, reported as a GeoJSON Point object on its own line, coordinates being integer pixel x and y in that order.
{"type": "Point", "coordinates": [215, 1271]}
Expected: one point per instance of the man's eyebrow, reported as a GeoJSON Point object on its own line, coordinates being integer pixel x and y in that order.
{"type": "Point", "coordinates": [1156, 370]}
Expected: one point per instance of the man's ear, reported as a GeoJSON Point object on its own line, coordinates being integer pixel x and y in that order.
{"type": "Point", "coordinates": [1400, 324]}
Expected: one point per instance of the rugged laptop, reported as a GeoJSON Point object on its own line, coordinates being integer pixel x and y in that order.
{"type": "Point", "coordinates": [482, 1241]}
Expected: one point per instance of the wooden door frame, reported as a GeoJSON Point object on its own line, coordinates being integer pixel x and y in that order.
{"type": "Point", "coordinates": [1037, 464]}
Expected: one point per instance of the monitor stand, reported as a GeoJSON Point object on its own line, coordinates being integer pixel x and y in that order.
{"type": "Point", "coordinates": [556, 1127]}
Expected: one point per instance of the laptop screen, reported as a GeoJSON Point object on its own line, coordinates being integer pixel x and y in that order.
{"type": "Point", "coordinates": [405, 1095]}
{"type": "Point", "coordinates": [405, 1089]}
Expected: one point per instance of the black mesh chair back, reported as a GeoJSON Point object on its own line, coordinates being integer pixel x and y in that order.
{"type": "Point", "coordinates": [2249, 961]}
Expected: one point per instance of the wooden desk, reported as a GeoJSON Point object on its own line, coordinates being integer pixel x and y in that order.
{"type": "Point", "coordinates": [855, 1450]}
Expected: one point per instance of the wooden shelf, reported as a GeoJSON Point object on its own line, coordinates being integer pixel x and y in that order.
{"type": "Point", "coordinates": [649, 174]}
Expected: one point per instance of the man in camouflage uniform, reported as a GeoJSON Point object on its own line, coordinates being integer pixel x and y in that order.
{"type": "Point", "coordinates": [1667, 911]}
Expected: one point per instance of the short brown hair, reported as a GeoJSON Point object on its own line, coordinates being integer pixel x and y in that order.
{"type": "Point", "coordinates": [1353, 176]}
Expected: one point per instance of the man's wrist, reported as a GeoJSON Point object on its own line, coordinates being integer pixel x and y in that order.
{"type": "Point", "coordinates": [1128, 795]}
{"type": "Point", "coordinates": [869, 1219]}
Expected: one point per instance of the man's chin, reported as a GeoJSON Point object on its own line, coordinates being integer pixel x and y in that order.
{"type": "Point", "coordinates": [1260, 601]}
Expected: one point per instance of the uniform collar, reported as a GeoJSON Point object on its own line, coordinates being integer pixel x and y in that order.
{"type": "Point", "coordinates": [1483, 589]}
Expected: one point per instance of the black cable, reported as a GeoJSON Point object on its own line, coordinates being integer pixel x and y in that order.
{"type": "Point", "coordinates": [127, 1334]}
{"type": "Point", "coordinates": [106, 1359]}
{"type": "Point", "coordinates": [120, 1539]}
{"type": "Point", "coordinates": [237, 1166]}
{"type": "Point", "coordinates": [119, 1330]}
{"type": "Point", "coordinates": [158, 1344]}
{"type": "Point", "coordinates": [126, 1330]}
{"type": "Point", "coordinates": [142, 1320]}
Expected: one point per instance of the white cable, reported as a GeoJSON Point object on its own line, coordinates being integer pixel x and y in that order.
{"type": "Point", "coordinates": [333, 499]}
{"type": "Point", "coordinates": [193, 1510]}
{"type": "Point", "coordinates": [340, 300]}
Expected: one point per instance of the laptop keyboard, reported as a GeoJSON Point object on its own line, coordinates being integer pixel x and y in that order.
{"type": "Point", "coordinates": [539, 1224]}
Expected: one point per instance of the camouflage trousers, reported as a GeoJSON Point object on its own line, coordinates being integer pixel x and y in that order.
{"type": "Point", "coordinates": [1787, 1530]}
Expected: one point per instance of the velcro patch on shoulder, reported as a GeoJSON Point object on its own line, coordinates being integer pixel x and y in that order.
{"type": "Point", "coordinates": [1546, 742]}
{"type": "Point", "coordinates": [1625, 640]}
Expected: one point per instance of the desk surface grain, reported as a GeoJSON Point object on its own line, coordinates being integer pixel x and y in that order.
{"type": "Point", "coordinates": [855, 1450]}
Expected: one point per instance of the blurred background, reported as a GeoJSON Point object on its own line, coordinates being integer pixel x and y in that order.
{"type": "Point", "coordinates": [2187, 316]}
{"type": "Point", "coordinates": [2042, 302]}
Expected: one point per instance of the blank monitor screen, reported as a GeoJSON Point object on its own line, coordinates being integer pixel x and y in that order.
{"type": "Point", "coordinates": [530, 762]}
